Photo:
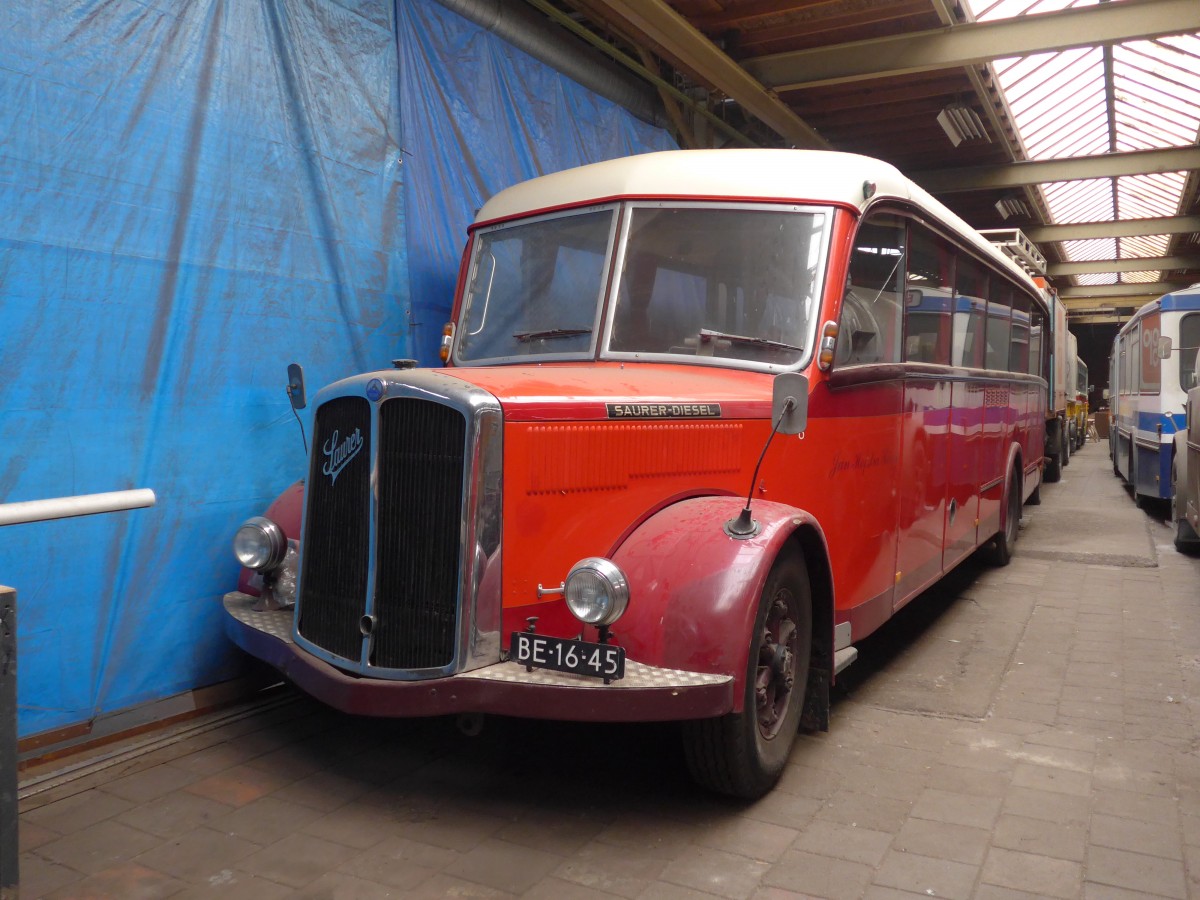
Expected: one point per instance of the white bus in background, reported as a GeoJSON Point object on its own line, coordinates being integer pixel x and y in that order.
{"type": "Point", "coordinates": [1152, 369]}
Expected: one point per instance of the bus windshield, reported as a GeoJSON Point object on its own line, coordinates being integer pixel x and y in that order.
{"type": "Point", "coordinates": [534, 288]}
{"type": "Point", "coordinates": [725, 282]}
{"type": "Point", "coordinates": [730, 283]}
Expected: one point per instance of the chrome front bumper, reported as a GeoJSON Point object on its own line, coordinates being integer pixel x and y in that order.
{"type": "Point", "coordinates": [645, 694]}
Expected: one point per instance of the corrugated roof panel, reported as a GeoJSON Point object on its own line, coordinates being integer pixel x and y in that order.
{"type": "Point", "coordinates": [1094, 248]}
{"type": "Point", "coordinates": [1080, 201]}
{"type": "Point", "coordinates": [1145, 196]}
{"type": "Point", "coordinates": [1091, 280]}
{"type": "Point", "coordinates": [1061, 109]}
{"type": "Point", "coordinates": [1141, 247]}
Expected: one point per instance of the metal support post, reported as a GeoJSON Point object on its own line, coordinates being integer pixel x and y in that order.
{"type": "Point", "coordinates": [9, 873]}
{"type": "Point", "coordinates": [17, 514]}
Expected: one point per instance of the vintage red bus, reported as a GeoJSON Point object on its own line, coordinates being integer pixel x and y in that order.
{"type": "Point", "coordinates": [554, 524]}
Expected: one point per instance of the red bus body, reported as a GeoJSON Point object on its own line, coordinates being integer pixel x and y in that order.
{"type": "Point", "coordinates": [907, 464]}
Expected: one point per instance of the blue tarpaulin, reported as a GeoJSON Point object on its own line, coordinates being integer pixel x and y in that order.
{"type": "Point", "coordinates": [191, 197]}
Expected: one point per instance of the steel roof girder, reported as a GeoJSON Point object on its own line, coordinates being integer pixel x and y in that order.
{"type": "Point", "coordinates": [1143, 264]}
{"type": "Point", "coordinates": [955, 46]}
{"type": "Point", "coordinates": [1044, 171]}
{"type": "Point", "coordinates": [1150, 288]}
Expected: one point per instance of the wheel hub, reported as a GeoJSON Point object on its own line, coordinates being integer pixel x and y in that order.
{"type": "Point", "coordinates": [776, 662]}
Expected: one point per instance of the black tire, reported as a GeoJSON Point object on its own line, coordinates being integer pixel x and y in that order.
{"type": "Point", "coordinates": [1186, 539]}
{"type": "Point", "coordinates": [1054, 466]}
{"type": "Point", "coordinates": [743, 754]}
{"type": "Point", "coordinates": [1035, 499]}
{"type": "Point", "coordinates": [1066, 452]}
{"type": "Point", "coordinates": [1000, 550]}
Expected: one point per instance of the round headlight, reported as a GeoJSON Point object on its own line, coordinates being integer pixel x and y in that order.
{"type": "Point", "coordinates": [597, 591]}
{"type": "Point", "coordinates": [259, 544]}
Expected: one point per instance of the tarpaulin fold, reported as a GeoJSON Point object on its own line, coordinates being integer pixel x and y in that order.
{"type": "Point", "coordinates": [191, 197]}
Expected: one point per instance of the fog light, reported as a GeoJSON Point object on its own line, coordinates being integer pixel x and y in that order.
{"type": "Point", "coordinates": [260, 544]}
{"type": "Point", "coordinates": [597, 591]}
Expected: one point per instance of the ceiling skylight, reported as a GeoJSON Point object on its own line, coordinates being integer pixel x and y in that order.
{"type": "Point", "coordinates": [1064, 107]}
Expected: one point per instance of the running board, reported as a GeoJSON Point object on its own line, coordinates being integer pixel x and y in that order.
{"type": "Point", "coordinates": [843, 658]}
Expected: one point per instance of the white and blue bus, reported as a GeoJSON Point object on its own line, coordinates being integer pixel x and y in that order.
{"type": "Point", "coordinates": [1151, 370]}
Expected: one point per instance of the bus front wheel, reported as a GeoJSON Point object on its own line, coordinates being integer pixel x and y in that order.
{"type": "Point", "coordinates": [743, 754]}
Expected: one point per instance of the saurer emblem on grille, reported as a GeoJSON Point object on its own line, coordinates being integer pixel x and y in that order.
{"type": "Point", "coordinates": [338, 456]}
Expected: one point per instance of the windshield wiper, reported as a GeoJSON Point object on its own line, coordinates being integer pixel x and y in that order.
{"type": "Point", "coordinates": [526, 336]}
{"type": "Point", "coordinates": [706, 336]}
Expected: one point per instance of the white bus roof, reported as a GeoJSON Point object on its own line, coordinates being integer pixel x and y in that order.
{"type": "Point", "coordinates": [815, 176]}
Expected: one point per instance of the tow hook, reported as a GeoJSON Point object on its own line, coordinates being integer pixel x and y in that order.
{"type": "Point", "coordinates": [470, 724]}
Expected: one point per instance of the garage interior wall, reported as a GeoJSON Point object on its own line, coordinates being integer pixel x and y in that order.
{"type": "Point", "coordinates": [191, 197]}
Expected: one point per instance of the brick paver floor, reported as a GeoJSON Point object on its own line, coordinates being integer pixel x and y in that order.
{"type": "Point", "coordinates": [1021, 732]}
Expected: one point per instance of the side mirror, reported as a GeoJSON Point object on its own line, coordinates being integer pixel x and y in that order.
{"type": "Point", "coordinates": [790, 386]}
{"type": "Point", "coordinates": [295, 386]}
{"type": "Point", "coordinates": [1164, 348]}
{"type": "Point", "coordinates": [913, 297]}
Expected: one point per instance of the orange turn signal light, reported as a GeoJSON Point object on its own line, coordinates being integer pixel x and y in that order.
{"type": "Point", "coordinates": [447, 341]}
{"type": "Point", "coordinates": [827, 346]}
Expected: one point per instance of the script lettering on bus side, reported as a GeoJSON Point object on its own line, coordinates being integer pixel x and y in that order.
{"type": "Point", "coordinates": [664, 410]}
{"type": "Point", "coordinates": [861, 462]}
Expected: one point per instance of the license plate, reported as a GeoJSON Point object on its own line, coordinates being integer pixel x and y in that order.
{"type": "Point", "coordinates": [541, 651]}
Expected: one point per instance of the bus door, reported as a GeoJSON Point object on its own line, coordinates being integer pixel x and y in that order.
{"type": "Point", "coordinates": [966, 430]}
{"type": "Point", "coordinates": [1148, 422]}
{"type": "Point", "coordinates": [866, 449]}
{"type": "Point", "coordinates": [928, 412]}
{"type": "Point", "coordinates": [999, 414]}
{"type": "Point", "coordinates": [1124, 405]}
{"type": "Point", "coordinates": [1023, 397]}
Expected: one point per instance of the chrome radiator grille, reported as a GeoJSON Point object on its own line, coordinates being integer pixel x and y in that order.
{"type": "Point", "coordinates": [395, 530]}
{"type": "Point", "coordinates": [335, 564]}
{"type": "Point", "coordinates": [420, 502]}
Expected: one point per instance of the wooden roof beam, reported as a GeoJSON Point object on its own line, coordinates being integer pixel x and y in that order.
{"type": "Point", "coordinates": [688, 47]}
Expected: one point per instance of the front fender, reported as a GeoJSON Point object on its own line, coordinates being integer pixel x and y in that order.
{"type": "Point", "coordinates": [694, 590]}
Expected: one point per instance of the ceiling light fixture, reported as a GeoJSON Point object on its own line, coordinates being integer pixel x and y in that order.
{"type": "Point", "coordinates": [961, 123]}
{"type": "Point", "coordinates": [1011, 206]}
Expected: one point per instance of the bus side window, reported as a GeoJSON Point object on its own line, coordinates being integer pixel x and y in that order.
{"type": "Point", "coordinates": [1123, 368]}
{"type": "Point", "coordinates": [1037, 328]}
{"type": "Point", "coordinates": [1189, 343]}
{"type": "Point", "coordinates": [1134, 360]}
{"type": "Point", "coordinates": [1018, 360]}
{"type": "Point", "coordinates": [970, 312]}
{"type": "Point", "coordinates": [928, 291]}
{"type": "Point", "coordinates": [999, 325]}
{"type": "Point", "coordinates": [870, 321]}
